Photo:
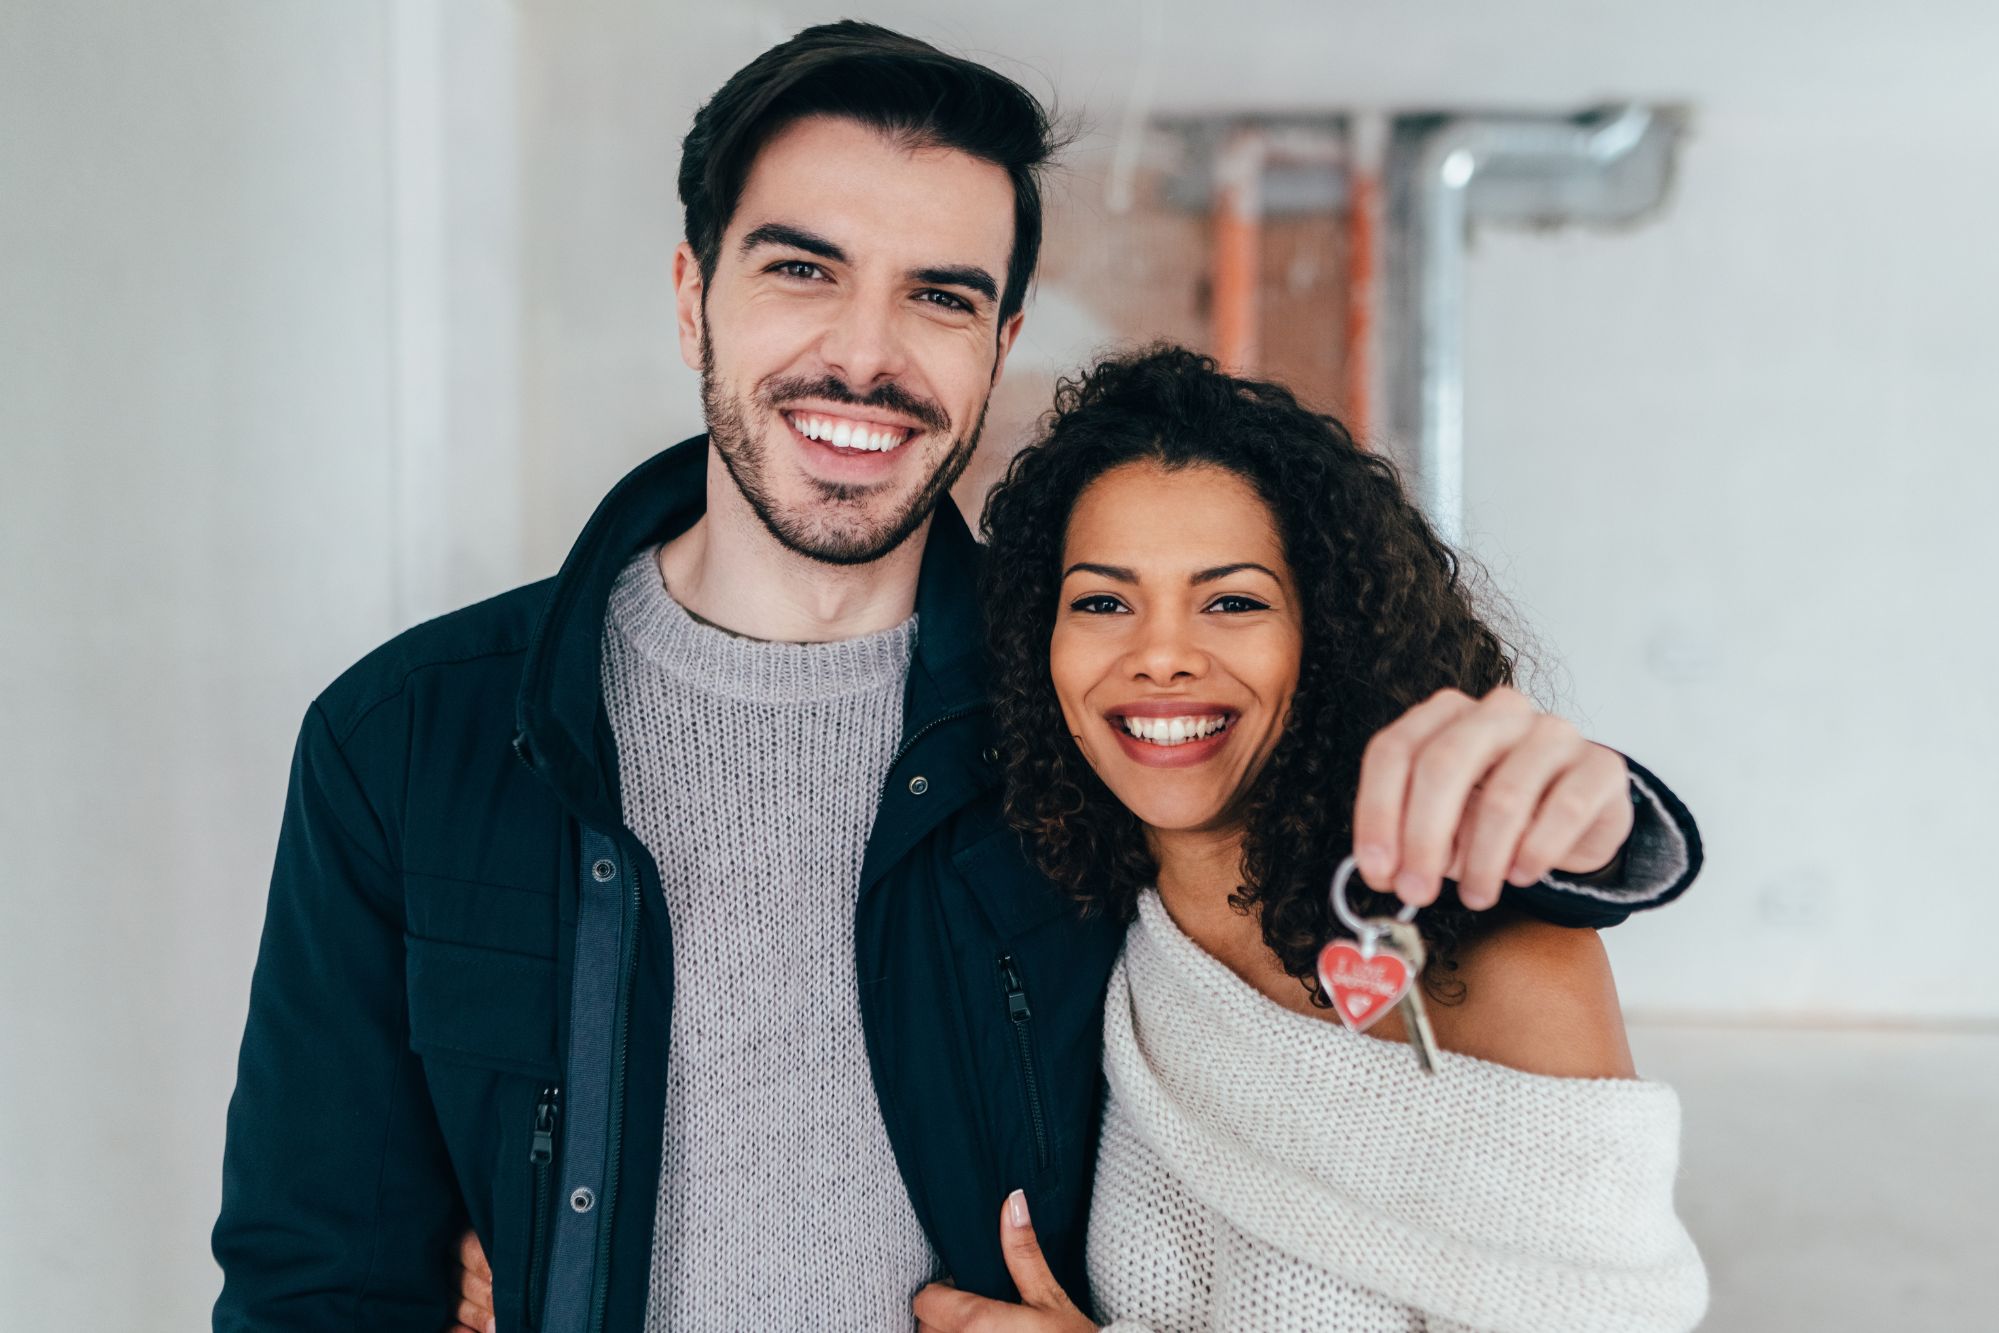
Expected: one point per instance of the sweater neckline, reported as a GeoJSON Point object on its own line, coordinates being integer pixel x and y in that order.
{"type": "Point", "coordinates": [645, 614]}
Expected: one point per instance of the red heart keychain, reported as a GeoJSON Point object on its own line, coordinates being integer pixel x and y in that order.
{"type": "Point", "coordinates": [1361, 986]}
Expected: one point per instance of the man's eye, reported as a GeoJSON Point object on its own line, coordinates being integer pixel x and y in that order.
{"type": "Point", "coordinates": [1102, 604]}
{"type": "Point", "coordinates": [1235, 603]}
{"type": "Point", "coordinates": [945, 299]}
{"type": "Point", "coordinates": [796, 268]}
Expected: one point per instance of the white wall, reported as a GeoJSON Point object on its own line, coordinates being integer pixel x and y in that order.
{"type": "Point", "coordinates": [318, 318]}
{"type": "Point", "coordinates": [1740, 462]}
{"type": "Point", "coordinates": [248, 412]}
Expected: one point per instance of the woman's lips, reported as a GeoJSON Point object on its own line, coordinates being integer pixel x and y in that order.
{"type": "Point", "coordinates": [1184, 754]}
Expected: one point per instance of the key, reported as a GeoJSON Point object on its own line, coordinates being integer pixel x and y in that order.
{"type": "Point", "coordinates": [1382, 966]}
{"type": "Point", "coordinates": [1408, 941]}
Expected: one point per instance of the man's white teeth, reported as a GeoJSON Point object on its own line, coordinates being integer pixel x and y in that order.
{"type": "Point", "coordinates": [846, 434]}
{"type": "Point", "coordinates": [1173, 730]}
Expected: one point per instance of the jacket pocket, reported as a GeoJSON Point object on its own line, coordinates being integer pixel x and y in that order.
{"type": "Point", "coordinates": [541, 1167]}
{"type": "Point", "coordinates": [1015, 898]}
{"type": "Point", "coordinates": [480, 1006]}
{"type": "Point", "coordinates": [1020, 1020]}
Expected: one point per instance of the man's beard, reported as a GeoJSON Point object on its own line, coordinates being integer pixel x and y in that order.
{"type": "Point", "coordinates": [819, 538]}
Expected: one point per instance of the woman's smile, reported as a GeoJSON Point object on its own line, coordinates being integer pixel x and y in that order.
{"type": "Point", "coordinates": [1171, 733]}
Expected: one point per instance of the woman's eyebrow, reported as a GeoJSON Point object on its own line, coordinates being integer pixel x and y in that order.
{"type": "Point", "coordinates": [1223, 571]}
{"type": "Point", "coordinates": [1118, 573]}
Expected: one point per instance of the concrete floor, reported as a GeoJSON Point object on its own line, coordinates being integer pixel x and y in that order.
{"type": "Point", "coordinates": [1838, 1179]}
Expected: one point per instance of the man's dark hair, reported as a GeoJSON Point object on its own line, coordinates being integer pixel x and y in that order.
{"type": "Point", "coordinates": [903, 87]}
{"type": "Point", "coordinates": [1388, 619]}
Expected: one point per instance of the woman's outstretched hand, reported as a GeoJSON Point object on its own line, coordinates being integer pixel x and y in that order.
{"type": "Point", "coordinates": [1044, 1308]}
{"type": "Point", "coordinates": [1487, 792]}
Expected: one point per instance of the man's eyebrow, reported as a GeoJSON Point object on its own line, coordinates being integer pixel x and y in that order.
{"type": "Point", "coordinates": [793, 238]}
{"type": "Point", "coordinates": [1223, 571]}
{"type": "Point", "coordinates": [969, 276]}
{"type": "Point", "coordinates": [1114, 572]}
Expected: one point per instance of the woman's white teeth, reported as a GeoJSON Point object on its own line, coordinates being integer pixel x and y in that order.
{"type": "Point", "coordinates": [847, 434]}
{"type": "Point", "coordinates": [1173, 730]}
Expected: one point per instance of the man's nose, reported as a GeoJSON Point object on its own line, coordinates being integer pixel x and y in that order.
{"type": "Point", "coordinates": [864, 345]}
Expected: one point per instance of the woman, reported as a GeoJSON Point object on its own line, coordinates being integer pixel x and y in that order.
{"type": "Point", "coordinates": [1207, 600]}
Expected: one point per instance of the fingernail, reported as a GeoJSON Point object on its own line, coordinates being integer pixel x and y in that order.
{"type": "Point", "coordinates": [492, 1324]}
{"type": "Point", "coordinates": [1521, 876]}
{"type": "Point", "coordinates": [1373, 862]}
{"type": "Point", "coordinates": [1016, 1208]}
{"type": "Point", "coordinates": [1412, 887]}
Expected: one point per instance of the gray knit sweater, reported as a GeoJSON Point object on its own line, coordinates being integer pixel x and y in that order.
{"type": "Point", "coordinates": [750, 770]}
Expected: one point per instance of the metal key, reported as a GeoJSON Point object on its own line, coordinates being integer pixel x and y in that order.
{"type": "Point", "coordinates": [1398, 936]}
{"type": "Point", "coordinates": [1408, 941]}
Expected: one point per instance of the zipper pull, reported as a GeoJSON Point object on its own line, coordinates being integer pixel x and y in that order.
{"type": "Point", "coordinates": [543, 1150]}
{"type": "Point", "coordinates": [1016, 994]}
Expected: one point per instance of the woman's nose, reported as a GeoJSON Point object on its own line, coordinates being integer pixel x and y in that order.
{"type": "Point", "coordinates": [1166, 651]}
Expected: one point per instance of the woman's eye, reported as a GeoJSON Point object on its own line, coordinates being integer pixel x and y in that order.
{"type": "Point", "coordinates": [1103, 604]}
{"type": "Point", "coordinates": [1233, 603]}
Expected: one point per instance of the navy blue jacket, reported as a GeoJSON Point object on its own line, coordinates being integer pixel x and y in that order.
{"type": "Point", "coordinates": [460, 1009]}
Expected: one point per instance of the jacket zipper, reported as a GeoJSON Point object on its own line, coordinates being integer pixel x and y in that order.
{"type": "Point", "coordinates": [601, 1292]}
{"type": "Point", "coordinates": [1022, 1019]}
{"type": "Point", "coordinates": [540, 1154]}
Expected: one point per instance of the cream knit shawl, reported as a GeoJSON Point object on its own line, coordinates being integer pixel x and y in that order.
{"type": "Point", "coordinates": [1264, 1169]}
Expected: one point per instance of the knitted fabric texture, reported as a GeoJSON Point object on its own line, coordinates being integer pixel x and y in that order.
{"type": "Point", "coordinates": [751, 771]}
{"type": "Point", "coordinates": [1264, 1169]}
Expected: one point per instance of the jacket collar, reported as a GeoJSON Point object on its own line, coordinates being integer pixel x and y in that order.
{"type": "Point", "coordinates": [562, 729]}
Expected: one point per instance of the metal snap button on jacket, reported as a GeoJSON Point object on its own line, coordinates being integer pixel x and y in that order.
{"type": "Point", "coordinates": [918, 785]}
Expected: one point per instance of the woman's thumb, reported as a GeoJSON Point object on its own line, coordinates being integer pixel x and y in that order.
{"type": "Point", "coordinates": [1024, 1263]}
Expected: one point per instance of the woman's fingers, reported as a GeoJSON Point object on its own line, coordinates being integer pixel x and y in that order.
{"type": "Point", "coordinates": [1044, 1308]}
{"type": "Point", "coordinates": [1508, 801]}
{"type": "Point", "coordinates": [945, 1309]}
{"type": "Point", "coordinates": [475, 1286]}
{"type": "Point", "coordinates": [472, 1257]}
{"type": "Point", "coordinates": [1383, 793]}
{"type": "Point", "coordinates": [475, 1290]}
{"type": "Point", "coordinates": [1485, 792]}
{"type": "Point", "coordinates": [1450, 763]}
{"type": "Point", "coordinates": [1583, 820]}
{"type": "Point", "coordinates": [1024, 1261]}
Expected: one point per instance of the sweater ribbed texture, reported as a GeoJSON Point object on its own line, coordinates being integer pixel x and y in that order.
{"type": "Point", "coordinates": [751, 772]}
{"type": "Point", "coordinates": [1264, 1169]}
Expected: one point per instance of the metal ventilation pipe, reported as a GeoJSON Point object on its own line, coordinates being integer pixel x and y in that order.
{"type": "Point", "coordinates": [1556, 169]}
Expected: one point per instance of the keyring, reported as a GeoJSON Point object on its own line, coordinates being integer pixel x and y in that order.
{"type": "Point", "coordinates": [1362, 931]}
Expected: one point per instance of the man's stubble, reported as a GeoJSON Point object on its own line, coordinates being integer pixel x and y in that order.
{"type": "Point", "coordinates": [743, 454]}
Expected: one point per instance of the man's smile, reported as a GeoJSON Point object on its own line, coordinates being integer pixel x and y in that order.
{"type": "Point", "coordinates": [849, 434]}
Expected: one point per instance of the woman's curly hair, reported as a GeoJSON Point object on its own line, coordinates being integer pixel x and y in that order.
{"type": "Point", "coordinates": [1387, 622]}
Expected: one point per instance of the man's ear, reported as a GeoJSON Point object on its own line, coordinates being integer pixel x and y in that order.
{"type": "Point", "coordinates": [1009, 330]}
{"type": "Point", "coordinates": [688, 289]}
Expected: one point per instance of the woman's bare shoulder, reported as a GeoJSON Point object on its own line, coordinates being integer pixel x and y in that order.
{"type": "Point", "coordinates": [1538, 998]}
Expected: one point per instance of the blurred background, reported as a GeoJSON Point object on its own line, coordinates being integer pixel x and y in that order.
{"type": "Point", "coordinates": [321, 318]}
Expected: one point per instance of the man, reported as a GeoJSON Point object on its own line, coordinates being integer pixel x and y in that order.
{"type": "Point", "coordinates": [656, 921]}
